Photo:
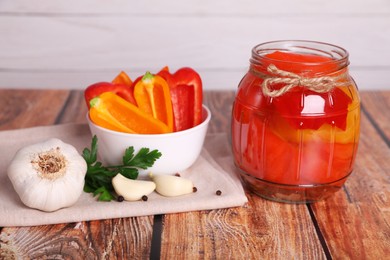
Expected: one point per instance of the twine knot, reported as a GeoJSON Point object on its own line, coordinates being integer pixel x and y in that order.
{"type": "Point", "coordinates": [292, 80]}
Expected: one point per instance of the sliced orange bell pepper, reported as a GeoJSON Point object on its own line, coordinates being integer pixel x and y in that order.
{"type": "Point", "coordinates": [152, 96]}
{"type": "Point", "coordinates": [113, 112]}
{"type": "Point", "coordinates": [106, 120]}
{"type": "Point", "coordinates": [122, 78]}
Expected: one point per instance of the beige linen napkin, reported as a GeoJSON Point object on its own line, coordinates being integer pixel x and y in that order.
{"type": "Point", "coordinates": [214, 170]}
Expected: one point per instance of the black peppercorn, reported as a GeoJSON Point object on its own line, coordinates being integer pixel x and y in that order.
{"type": "Point", "coordinates": [145, 198]}
{"type": "Point", "coordinates": [218, 192]}
{"type": "Point", "coordinates": [120, 198]}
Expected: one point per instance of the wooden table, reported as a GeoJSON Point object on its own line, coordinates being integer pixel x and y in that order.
{"type": "Point", "coordinates": [352, 224]}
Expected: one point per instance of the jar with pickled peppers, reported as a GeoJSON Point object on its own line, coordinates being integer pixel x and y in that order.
{"type": "Point", "coordinates": [296, 121]}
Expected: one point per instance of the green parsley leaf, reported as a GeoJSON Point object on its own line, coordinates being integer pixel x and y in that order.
{"type": "Point", "coordinates": [104, 194]}
{"type": "Point", "coordinates": [143, 159]}
{"type": "Point", "coordinates": [98, 177]}
{"type": "Point", "coordinates": [131, 173]}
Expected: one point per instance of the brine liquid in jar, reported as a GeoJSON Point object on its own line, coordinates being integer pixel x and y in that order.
{"type": "Point", "coordinates": [296, 121]}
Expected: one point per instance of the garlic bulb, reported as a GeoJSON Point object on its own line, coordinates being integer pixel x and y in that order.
{"type": "Point", "coordinates": [48, 175]}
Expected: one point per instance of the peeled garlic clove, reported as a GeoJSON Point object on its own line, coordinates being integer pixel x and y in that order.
{"type": "Point", "coordinates": [48, 175]}
{"type": "Point", "coordinates": [132, 190]}
{"type": "Point", "coordinates": [170, 186]}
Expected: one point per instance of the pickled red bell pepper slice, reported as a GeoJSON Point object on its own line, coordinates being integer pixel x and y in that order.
{"type": "Point", "coordinates": [301, 101]}
{"type": "Point", "coordinates": [185, 86]}
{"type": "Point", "coordinates": [301, 63]}
{"type": "Point", "coordinates": [113, 112]}
{"type": "Point", "coordinates": [152, 96]}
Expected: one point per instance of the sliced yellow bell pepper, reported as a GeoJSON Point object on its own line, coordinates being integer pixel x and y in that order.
{"type": "Point", "coordinates": [113, 112]}
{"type": "Point", "coordinates": [152, 96]}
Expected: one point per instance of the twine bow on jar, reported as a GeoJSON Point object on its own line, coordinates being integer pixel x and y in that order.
{"type": "Point", "coordinates": [292, 80]}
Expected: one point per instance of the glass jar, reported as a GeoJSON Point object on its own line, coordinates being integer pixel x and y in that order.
{"type": "Point", "coordinates": [296, 121]}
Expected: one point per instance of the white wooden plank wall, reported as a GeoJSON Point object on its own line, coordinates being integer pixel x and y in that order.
{"type": "Point", "coordinates": [71, 44]}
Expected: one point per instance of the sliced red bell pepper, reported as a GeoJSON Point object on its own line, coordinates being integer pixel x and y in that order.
{"type": "Point", "coordinates": [121, 85]}
{"type": "Point", "coordinates": [96, 89]}
{"type": "Point", "coordinates": [185, 86]}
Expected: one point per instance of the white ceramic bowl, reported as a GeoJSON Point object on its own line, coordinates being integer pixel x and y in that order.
{"type": "Point", "coordinates": [179, 149]}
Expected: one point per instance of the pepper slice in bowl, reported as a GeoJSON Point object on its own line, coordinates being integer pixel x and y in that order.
{"type": "Point", "coordinates": [110, 111]}
{"type": "Point", "coordinates": [185, 87]}
{"type": "Point", "coordinates": [152, 96]}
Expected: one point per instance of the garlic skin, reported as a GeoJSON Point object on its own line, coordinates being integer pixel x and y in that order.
{"type": "Point", "coordinates": [171, 186]}
{"type": "Point", "coordinates": [132, 190]}
{"type": "Point", "coordinates": [48, 175]}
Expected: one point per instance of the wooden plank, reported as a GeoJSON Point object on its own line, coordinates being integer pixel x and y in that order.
{"type": "Point", "coordinates": [107, 239]}
{"type": "Point", "coordinates": [45, 51]}
{"type": "Point", "coordinates": [103, 42]}
{"type": "Point", "coordinates": [200, 7]}
{"type": "Point", "coordinates": [28, 108]}
{"type": "Point", "coordinates": [213, 79]}
{"type": "Point", "coordinates": [262, 229]}
{"type": "Point", "coordinates": [220, 103]}
{"type": "Point", "coordinates": [130, 237]}
{"type": "Point", "coordinates": [371, 78]}
{"type": "Point", "coordinates": [75, 110]}
{"type": "Point", "coordinates": [356, 222]}
{"type": "Point", "coordinates": [377, 105]}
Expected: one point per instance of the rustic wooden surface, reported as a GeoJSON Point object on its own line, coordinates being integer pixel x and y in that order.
{"type": "Point", "coordinates": [54, 44]}
{"type": "Point", "coordinates": [352, 224]}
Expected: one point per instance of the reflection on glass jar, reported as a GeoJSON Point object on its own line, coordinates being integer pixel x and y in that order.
{"type": "Point", "coordinates": [295, 121]}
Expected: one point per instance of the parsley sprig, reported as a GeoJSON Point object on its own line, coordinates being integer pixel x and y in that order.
{"type": "Point", "coordinates": [98, 177]}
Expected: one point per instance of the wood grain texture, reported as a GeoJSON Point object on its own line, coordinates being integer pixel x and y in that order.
{"type": "Point", "coordinates": [200, 7]}
{"type": "Point", "coordinates": [57, 45]}
{"type": "Point", "coordinates": [75, 110]}
{"type": "Point", "coordinates": [262, 229]}
{"type": "Point", "coordinates": [376, 105]}
{"type": "Point", "coordinates": [27, 108]}
{"type": "Point", "coordinates": [352, 224]}
{"type": "Point", "coordinates": [127, 238]}
{"type": "Point", "coordinates": [220, 103]}
{"type": "Point", "coordinates": [107, 239]}
{"type": "Point", "coordinates": [356, 222]}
